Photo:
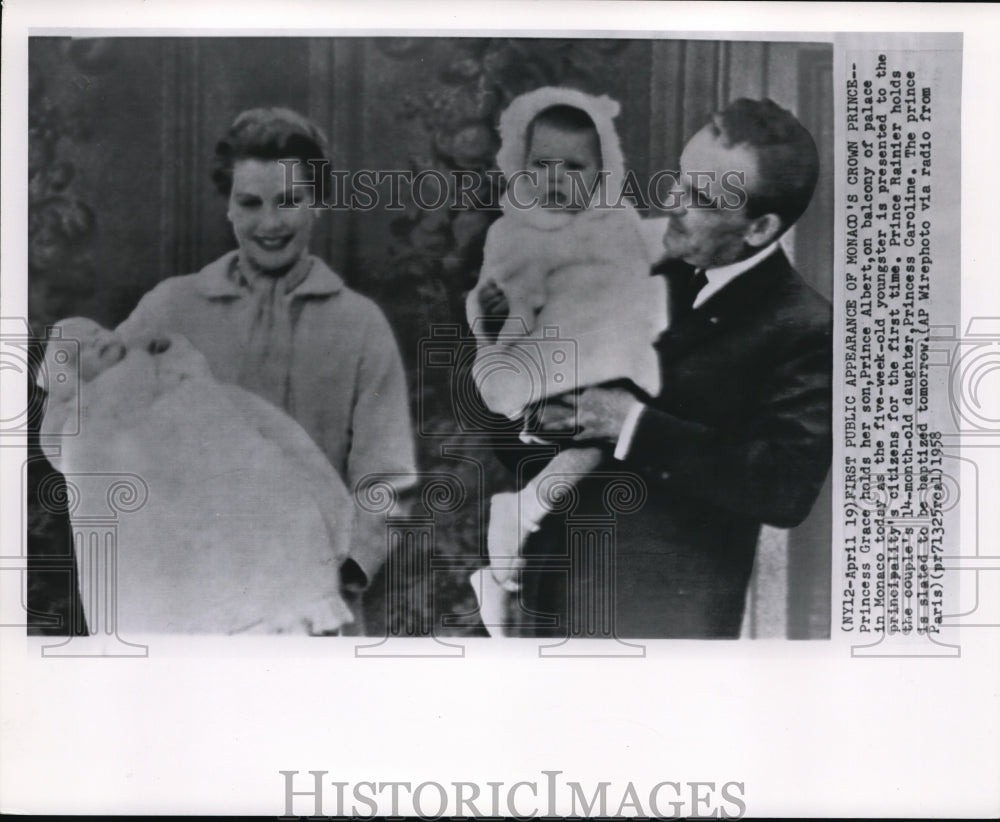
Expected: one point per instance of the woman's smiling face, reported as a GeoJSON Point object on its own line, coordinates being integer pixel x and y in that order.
{"type": "Point", "coordinates": [271, 237]}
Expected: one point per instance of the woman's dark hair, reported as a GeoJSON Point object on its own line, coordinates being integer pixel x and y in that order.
{"type": "Point", "coordinates": [266, 134]}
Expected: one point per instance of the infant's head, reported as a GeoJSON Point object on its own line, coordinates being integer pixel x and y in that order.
{"type": "Point", "coordinates": [94, 348]}
{"type": "Point", "coordinates": [563, 152]}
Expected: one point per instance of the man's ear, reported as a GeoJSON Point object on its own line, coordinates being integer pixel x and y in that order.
{"type": "Point", "coordinates": [763, 230]}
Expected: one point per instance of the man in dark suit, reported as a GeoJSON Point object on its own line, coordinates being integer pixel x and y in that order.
{"type": "Point", "coordinates": [740, 433]}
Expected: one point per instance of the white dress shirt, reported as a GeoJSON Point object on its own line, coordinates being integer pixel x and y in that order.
{"type": "Point", "coordinates": [718, 278]}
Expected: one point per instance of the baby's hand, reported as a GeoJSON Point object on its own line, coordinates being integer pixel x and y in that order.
{"type": "Point", "coordinates": [492, 301]}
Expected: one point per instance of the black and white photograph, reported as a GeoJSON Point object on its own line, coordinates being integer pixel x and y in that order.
{"type": "Point", "coordinates": [542, 379]}
{"type": "Point", "coordinates": [433, 378]}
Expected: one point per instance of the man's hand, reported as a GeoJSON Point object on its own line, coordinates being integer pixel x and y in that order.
{"type": "Point", "coordinates": [599, 413]}
{"type": "Point", "coordinates": [494, 309]}
{"type": "Point", "coordinates": [492, 301]}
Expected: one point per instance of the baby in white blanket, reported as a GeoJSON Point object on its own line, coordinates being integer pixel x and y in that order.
{"type": "Point", "coordinates": [565, 298]}
{"type": "Point", "coordinates": [246, 522]}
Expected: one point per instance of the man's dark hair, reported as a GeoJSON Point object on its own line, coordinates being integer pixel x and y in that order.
{"type": "Point", "coordinates": [266, 134]}
{"type": "Point", "coordinates": [786, 155]}
{"type": "Point", "coordinates": [565, 117]}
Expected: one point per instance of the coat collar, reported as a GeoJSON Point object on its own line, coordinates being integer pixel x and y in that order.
{"type": "Point", "coordinates": [719, 278]}
{"type": "Point", "coordinates": [752, 286]}
{"type": "Point", "coordinates": [216, 280]}
{"type": "Point", "coordinates": [738, 298]}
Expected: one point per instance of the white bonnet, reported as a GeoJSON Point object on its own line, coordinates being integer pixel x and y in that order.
{"type": "Point", "coordinates": [522, 110]}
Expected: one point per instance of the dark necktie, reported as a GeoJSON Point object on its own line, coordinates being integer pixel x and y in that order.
{"type": "Point", "coordinates": [684, 288]}
{"type": "Point", "coordinates": [697, 282]}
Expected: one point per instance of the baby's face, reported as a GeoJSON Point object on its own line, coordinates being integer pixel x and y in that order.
{"type": "Point", "coordinates": [555, 157]}
{"type": "Point", "coordinates": [99, 348]}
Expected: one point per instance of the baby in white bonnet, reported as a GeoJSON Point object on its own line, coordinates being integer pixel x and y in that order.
{"type": "Point", "coordinates": [565, 298]}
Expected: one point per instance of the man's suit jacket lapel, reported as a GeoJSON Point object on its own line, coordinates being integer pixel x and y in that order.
{"type": "Point", "coordinates": [739, 298]}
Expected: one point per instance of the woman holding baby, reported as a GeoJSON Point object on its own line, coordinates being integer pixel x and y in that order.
{"type": "Point", "coordinates": [276, 320]}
